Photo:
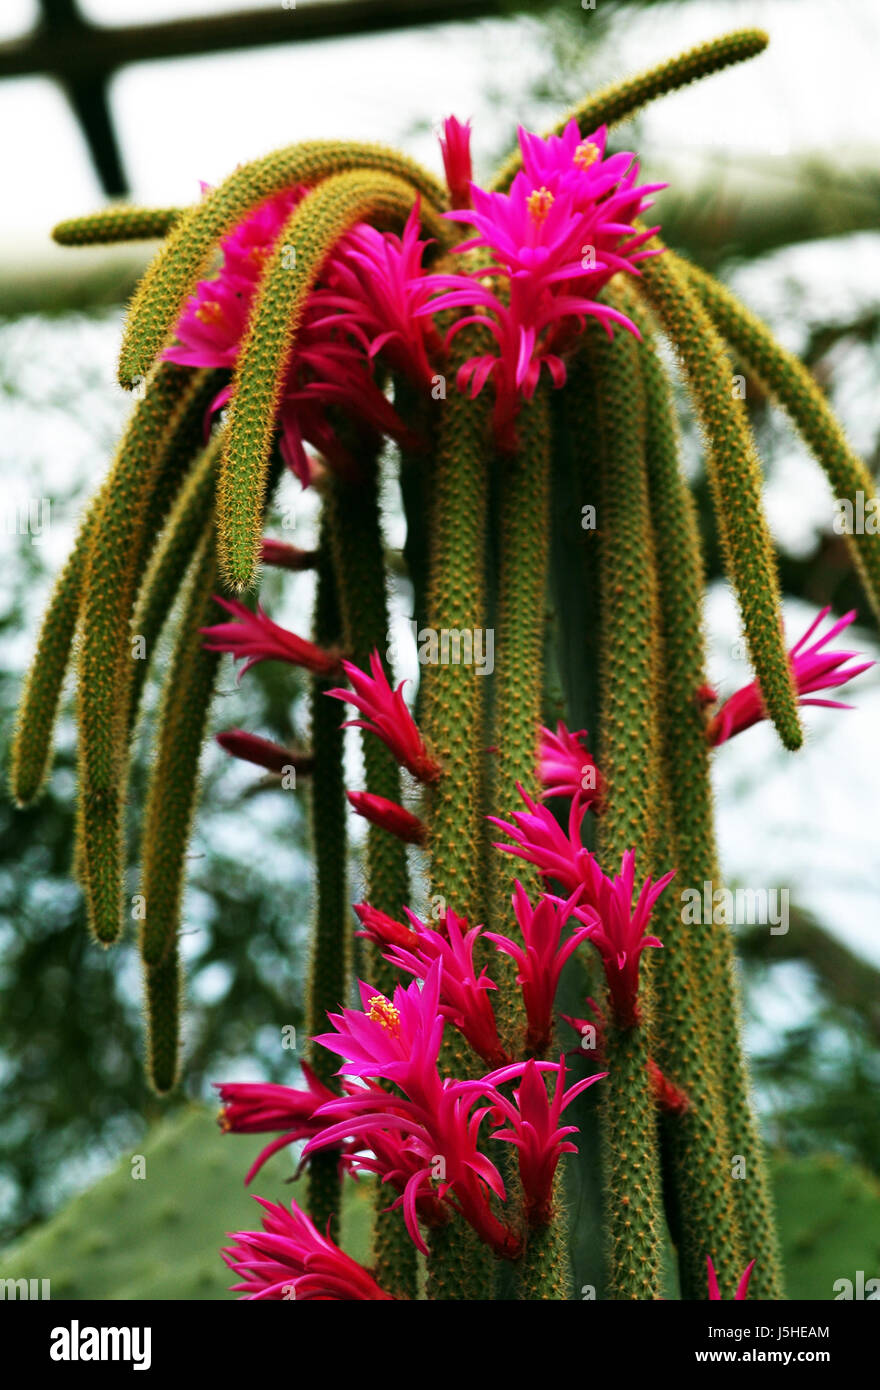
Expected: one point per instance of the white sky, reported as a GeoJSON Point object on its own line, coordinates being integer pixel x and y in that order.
{"type": "Point", "coordinates": [195, 118]}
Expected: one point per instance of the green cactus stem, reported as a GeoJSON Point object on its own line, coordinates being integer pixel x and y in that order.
{"type": "Point", "coordinates": [685, 1041]}
{"type": "Point", "coordinates": [38, 706]}
{"type": "Point", "coordinates": [630, 1170]}
{"type": "Point", "coordinates": [308, 236]}
{"type": "Point", "coordinates": [162, 293]}
{"type": "Point", "coordinates": [163, 991]}
{"type": "Point", "coordinates": [697, 981]}
{"type": "Point", "coordinates": [453, 705]}
{"type": "Point", "coordinates": [735, 479]}
{"type": "Point", "coordinates": [169, 562]}
{"type": "Point", "coordinates": [793, 388]}
{"type": "Point", "coordinates": [524, 482]}
{"type": "Point", "coordinates": [172, 788]}
{"type": "Point", "coordinates": [355, 527]}
{"type": "Point", "coordinates": [629, 758]}
{"type": "Point", "coordinates": [116, 223]}
{"type": "Point", "coordinates": [621, 100]}
{"type": "Point", "coordinates": [105, 659]}
{"type": "Point", "coordinates": [330, 961]}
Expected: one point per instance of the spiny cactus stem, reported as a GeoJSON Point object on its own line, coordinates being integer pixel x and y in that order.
{"type": "Point", "coordinates": [622, 99]}
{"type": "Point", "coordinates": [524, 481]}
{"type": "Point", "coordinates": [700, 1038]}
{"type": "Point", "coordinates": [793, 387]}
{"type": "Point", "coordinates": [685, 1045]}
{"type": "Point", "coordinates": [453, 712]}
{"type": "Point", "coordinates": [630, 1169]}
{"type": "Point", "coordinates": [735, 480]}
{"type": "Point", "coordinates": [115, 224]}
{"type": "Point", "coordinates": [628, 756]}
{"type": "Point", "coordinates": [312, 229]}
{"type": "Point", "coordinates": [329, 968]}
{"type": "Point", "coordinates": [355, 528]}
{"type": "Point", "coordinates": [173, 275]}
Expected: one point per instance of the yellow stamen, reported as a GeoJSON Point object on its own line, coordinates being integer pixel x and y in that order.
{"type": "Point", "coordinates": [210, 312]}
{"type": "Point", "coordinates": [383, 1011]}
{"type": "Point", "coordinates": [539, 203]}
{"type": "Point", "coordinates": [586, 154]}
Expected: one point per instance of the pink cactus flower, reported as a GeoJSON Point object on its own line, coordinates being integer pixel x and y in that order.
{"type": "Point", "coordinates": [464, 998]}
{"type": "Point", "coordinates": [400, 1042]}
{"type": "Point", "coordinates": [621, 934]}
{"type": "Point", "coordinates": [263, 752]}
{"type": "Point", "coordinates": [813, 667]}
{"type": "Point", "coordinates": [215, 318]}
{"type": "Point", "coordinates": [253, 637]}
{"type": "Point", "coordinates": [541, 961]}
{"type": "Point", "coordinates": [539, 839]}
{"type": "Point", "coordinates": [380, 927]}
{"type": "Point", "coordinates": [390, 816]}
{"type": "Point", "coordinates": [441, 1132]}
{"type": "Point", "coordinates": [566, 768]}
{"type": "Point", "coordinates": [262, 1108]}
{"type": "Point", "coordinates": [455, 146]}
{"type": "Point", "coordinates": [290, 1259]}
{"type": "Point", "coordinates": [555, 240]}
{"type": "Point", "coordinates": [533, 1117]}
{"type": "Point", "coordinates": [387, 716]}
{"type": "Point", "coordinates": [742, 1288]}
{"type": "Point", "coordinates": [374, 286]}
{"type": "Point", "coordinates": [393, 1039]}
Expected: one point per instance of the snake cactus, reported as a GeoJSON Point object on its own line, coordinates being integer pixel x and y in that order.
{"type": "Point", "coordinates": [317, 304]}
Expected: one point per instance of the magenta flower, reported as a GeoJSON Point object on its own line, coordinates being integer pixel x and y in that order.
{"type": "Point", "coordinates": [555, 240]}
{"type": "Point", "coordinates": [742, 1287]}
{"type": "Point", "coordinates": [464, 999]}
{"type": "Point", "coordinates": [263, 752]}
{"type": "Point", "coordinates": [394, 1040]}
{"type": "Point", "coordinates": [535, 1129]}
{"type": "Point", "coordinates": [566, 768]}
{"type": "Point", "coordinates": [254, 637]}
{"type": "Point", "coordinates": [813, 668]}
{"type": "Point", "coordinates": [620, 934]}
{"type": "Point", "coordinates": [290, 1259]}
{"type": "Point", "coordinates": [373, 288]}
{"type": "Point", "coordinates": [214, 320]}
{"type": "Point", "coordinates": [332, 362]}
{"type": "Point", "coordinates": [389, 815]}
{"type": "Point", "coordinates": [380, 927]}
{"type": "Point", "coordinates": [455, 146]}
{"type": "Point", "coordinates": [400, 1042]}
{"type": "Point", "coordinates": [387, 715]}
{"type": "Point", "coordinates": [540, 840]}
{"type": "Point", "coordinates": [540, 963]}
{"type": "Point", "coordinates": [262, 1108]}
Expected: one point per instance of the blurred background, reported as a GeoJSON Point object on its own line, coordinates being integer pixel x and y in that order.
{"type": "Point", "coordinates": [775, 186]}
